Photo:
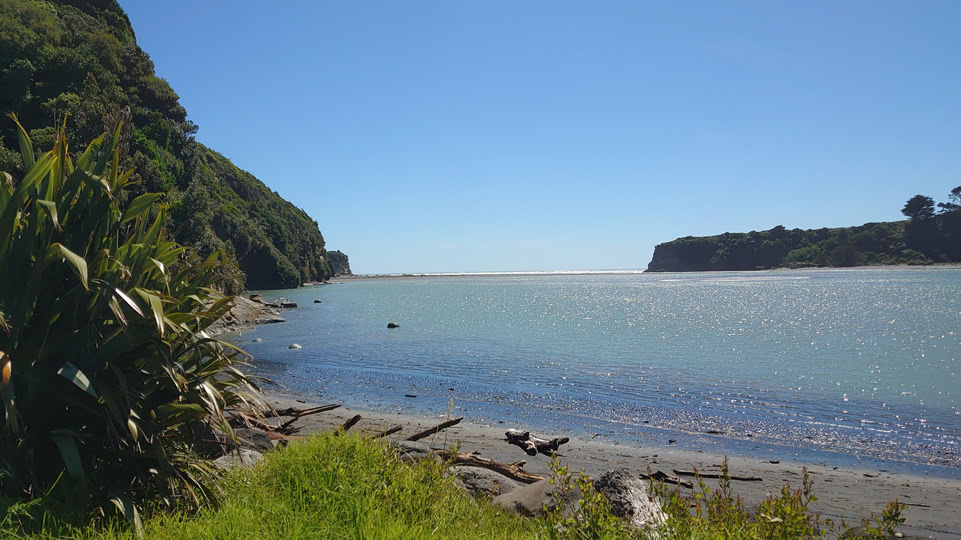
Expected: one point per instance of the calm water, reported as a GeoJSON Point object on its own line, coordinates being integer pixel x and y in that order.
{"type": "Point", "coordinates": [832, 366]}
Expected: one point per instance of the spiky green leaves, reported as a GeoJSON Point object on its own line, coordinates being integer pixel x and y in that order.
{"type": "Point", "coordinates": [106, 321]}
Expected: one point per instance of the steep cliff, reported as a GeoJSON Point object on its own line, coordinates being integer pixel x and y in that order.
{"type": "Point", "coordinates": [80, 58]}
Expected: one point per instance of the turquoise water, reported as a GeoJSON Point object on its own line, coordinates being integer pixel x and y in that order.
{"type": "Point", "coordinates": [829, 365]}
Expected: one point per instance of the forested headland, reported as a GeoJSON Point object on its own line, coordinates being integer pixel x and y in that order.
{"type": "Point", "coordinates": [80, 60]}
{"type": "Point", "coordinates": [931, 234]}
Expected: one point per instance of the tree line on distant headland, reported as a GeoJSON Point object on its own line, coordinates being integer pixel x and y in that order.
{"type": "Point", "coordinates": [932, 234]}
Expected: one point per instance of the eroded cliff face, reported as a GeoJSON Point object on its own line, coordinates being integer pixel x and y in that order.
{"type": "Point", "coordinates": [692, 255]}
{"type": "Point", "coordinates": [339, 263]}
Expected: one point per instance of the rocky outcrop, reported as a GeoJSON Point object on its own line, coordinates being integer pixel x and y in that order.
{"type": "Point", "coordinates": [339, 264]}
{"type": "Point", "coordinates": [245, 313]}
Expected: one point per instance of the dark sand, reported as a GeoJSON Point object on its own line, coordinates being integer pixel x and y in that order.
{"type": "Point", "coordinates": [934, 509]}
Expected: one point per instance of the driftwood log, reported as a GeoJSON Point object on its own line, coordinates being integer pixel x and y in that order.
{"type": "Point", "coordinates": [439, 427]}
{"type": "Point", "coordinates": [348, 424]}
{"type": "Point", "coordinates": [663, 477]}
{"type": "Point", "coordinates": [716, 475]}
{"type": "Point", "coordinates": [386, 432]}
{"type": "Point", "coordinates": [285, 428]}
{"type": "Point", "coordinates": [514, 471]}
{"type": "Point", "coordinates": [534, 445]}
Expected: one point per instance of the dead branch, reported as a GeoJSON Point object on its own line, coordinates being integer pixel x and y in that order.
{"type": "Point", "coordinates": [439, 427]}
{"type": "Point", "coordinates": [663, 477]}
{"type": "Point", "coordinates": [293, 411]}
{"type": "Point", "coordinates": [348, 424]}
{"type": "Point", "coordinates": [716, 475]}
{"type": "Point", "coordinates": [386, 432]}
{"type": "Point", "coordinates": [514, 471]}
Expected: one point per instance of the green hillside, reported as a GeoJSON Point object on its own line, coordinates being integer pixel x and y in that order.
{"type": "Point", "coordinates": [925, 238]}
{"type": "Point", "coordinates": [81, 59]}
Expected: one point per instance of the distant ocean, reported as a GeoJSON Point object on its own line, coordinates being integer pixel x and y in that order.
{"type": "Point", "coordinates": [855, 366]}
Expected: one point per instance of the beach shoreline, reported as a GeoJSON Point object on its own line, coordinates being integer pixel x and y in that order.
{"type": "Point", "coordinates": [844, 493]}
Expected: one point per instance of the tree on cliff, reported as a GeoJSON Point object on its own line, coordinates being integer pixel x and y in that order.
{"type": "Point", "coordinates": [955, 201]}
{"type": "Point", "coordinates": [919, 207]}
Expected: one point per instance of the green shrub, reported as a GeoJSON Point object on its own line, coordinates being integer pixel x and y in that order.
{"type": "Point", "coordinates": [720, 515]}
{"type": "Point", "coordinates": [104, 358]}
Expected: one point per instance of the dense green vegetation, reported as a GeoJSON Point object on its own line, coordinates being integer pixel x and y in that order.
{"type": "Point", "coordinates": [106, 368]}
{"type": "Point", "coordinates": [347, 487]}
{"type": "Point", "coordinates": [926, 237]}
{"type": "Point", "coordinates": [80, 58]}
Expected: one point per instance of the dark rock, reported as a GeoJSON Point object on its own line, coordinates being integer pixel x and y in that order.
{"type": "Point", "coordinates": [208, 442]}
{"type": "Point", "coordinates": [253, 439]}
{"type": "Point", "coordinates": [270, 318]}
{"type": "Point", "coordinates": [294, 346]}
{"type": "Point", "coordinates": [483, 482]}
{"type": "Point", "coordinates": [413, 451]}
{"type": "Point", "coordinates": [393, 325]}
{"type": "Point", "coordinates": [257, 340]}
{"type": "Point", "coordinates": [630, 499]}
{"type": "Point", "coordinates": [288, 305]}
{"type": "Point", "coordinates": [317, 301]}
{"type": "Point", "coordinates": [257, 298]}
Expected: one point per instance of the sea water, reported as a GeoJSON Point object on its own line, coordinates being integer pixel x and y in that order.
{"type": "Point", "coordinates": [834, 366]}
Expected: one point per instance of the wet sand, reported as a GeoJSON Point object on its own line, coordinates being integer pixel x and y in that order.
{"type": "Point", "coordinates": [934, 504]}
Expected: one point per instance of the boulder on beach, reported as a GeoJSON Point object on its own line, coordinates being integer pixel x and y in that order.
{"type": "Point", "coordinates": [630, 499]}
{"type": "Point", "coordinates": [483, 482]}
{"type": "Point", "coordinates": [537, 499]}
{"type": "Point", "coordinates": [393, 325]}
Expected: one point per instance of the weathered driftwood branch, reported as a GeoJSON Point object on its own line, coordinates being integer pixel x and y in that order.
{"type": "Point", "coordinates": [292, 411]}
{"type": "Point", "coordinates": [348, 424]}
{"type": "Point", "coordinates": [286, 428]}
{"type": "Point", "coordinates": [386, 432]}
{"type": "Point", "coordinates": [439, 427]}
{"type": "Point", "coordinates": [532, 445]}
{"type": "Point", "coordinates": [514, 471]}
{"type": "Point", "coordinates": [716, 475]}
{"type": "Point", "coordinates": [663, 477]}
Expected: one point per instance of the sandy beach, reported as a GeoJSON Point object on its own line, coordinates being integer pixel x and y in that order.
{"type": "Point", "coordinates": [934, 504]}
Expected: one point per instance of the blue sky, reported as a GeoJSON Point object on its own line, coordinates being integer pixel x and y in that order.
{"type": "Point", "coordinates": [493, 136]}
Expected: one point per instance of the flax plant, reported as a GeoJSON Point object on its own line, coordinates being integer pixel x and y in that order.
{"type": "Point", "coordinates": [104, 358]}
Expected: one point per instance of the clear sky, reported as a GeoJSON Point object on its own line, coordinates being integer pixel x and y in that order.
{"type": "Point", "coordinates": [432, 136]}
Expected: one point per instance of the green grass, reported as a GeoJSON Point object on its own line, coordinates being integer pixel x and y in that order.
{"type": "Point", "coordinates": [348, 487]}
{"type": "Point", "coordinates": [331, 487]}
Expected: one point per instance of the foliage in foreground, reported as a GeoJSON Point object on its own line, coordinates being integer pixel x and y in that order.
{"type": "Point", "coordinates": [104, 358]}
{"type": "Point", "coordinates": [333, 486]}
